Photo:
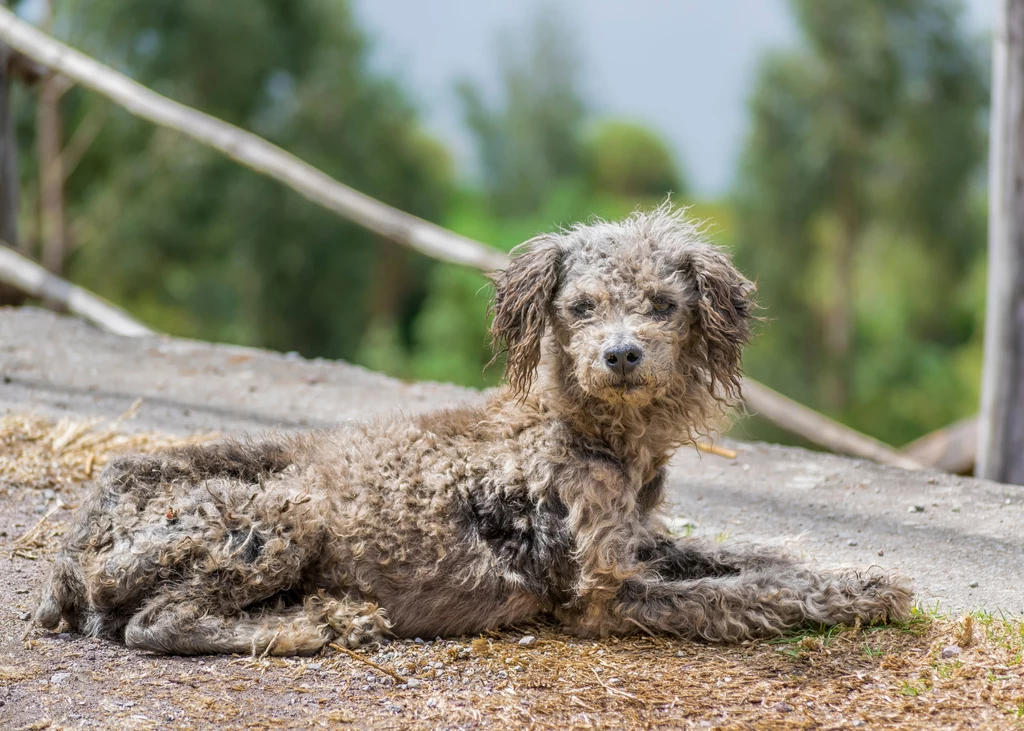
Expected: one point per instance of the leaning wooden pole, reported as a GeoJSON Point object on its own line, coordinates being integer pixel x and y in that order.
{"type": "Point", "coordinates": [819, 429]}
{"type": "Point", "coordinates": [27, 276]}
{"type": "Point", "coordinates": [1001, 423]}
{"type": "Point", "coordinates": [248, 149]}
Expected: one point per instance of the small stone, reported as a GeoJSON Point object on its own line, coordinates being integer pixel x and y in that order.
{"type": "Point", "coordinates": [858, 723]}
{"type": "Point", "coordinates": [1006, 502]}
{"type": "Point", "coordinates": [393, 707]}
{"type": "Point", "coordinates": [949, 652]}
{"type": "Point", "coordinates": [414, 683]}
{"type": "Point", "coordinates": [915, 509]}
{"type": "Point", "coordinates": [40, 508]}
{"type": "Point", "coordinates": [25, 616]}
{"type": "Point", "coordinates": [783, 707]}
{"type": "Point", "coordinates": [973, 585]}
{"type": "Point", "coordinates": [420, 641]}
{"type": "Point", "coordinates": [528, 641]}
{"type": "Point", "coordinates": [314, 665]}
{"type": "Point", "coordinates": [881, 551]}
{"type": "Point", "coordinates": [851, 543]}
{"type": "Point", "coordinates": [58, 678]}
{"type": "Point", "coordinates": [680, 654]}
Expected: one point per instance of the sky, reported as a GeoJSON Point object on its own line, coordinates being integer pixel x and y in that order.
{"type": "Point", "coordinates": [684, 68]}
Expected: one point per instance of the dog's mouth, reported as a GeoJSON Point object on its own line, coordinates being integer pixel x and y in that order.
{"type": "Point", "coordinates": [629, 386]}
{"type": "Point", "coordinates": [626, 390]}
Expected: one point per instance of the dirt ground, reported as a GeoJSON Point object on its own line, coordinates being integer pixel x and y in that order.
{"type": "Point", "coordinates": [930, 673]}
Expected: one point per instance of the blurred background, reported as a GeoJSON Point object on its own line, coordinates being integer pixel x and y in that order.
{"type": "Point", "coordinates": [839, 148]}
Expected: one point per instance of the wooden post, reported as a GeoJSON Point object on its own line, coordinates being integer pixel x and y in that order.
{"type": "Point", "coordinates": [1001, 425]}
{"type": "Point", "coordinates": [51, 176]}
{"type": "Point", "coordinates": [9, 199]}
{"type": "Point", "coordinates": [8, 157]}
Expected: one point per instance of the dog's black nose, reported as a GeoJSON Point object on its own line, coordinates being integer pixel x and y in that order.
{"type": "Point", "coordinates": [623, 359]}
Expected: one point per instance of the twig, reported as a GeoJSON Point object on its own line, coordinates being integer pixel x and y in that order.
{"type": "Point", "coordinates": [30, 536]}
{"type": "Point", "coordinates": [270, 644]}
{"type": "Point", "coordinates": [714, 449]}
{"type": "Point", "coordinates": [616, 691]}
{"type": "Point", "coordinates": [398, 678]}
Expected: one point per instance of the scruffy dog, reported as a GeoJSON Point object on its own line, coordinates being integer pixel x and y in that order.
{"type": "Point", "coordinates": [623, 343]}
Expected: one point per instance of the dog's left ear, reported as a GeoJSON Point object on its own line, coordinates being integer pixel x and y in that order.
{"type": "Point", "coordinates": [522, 306]}
{"type": "Point", "coordinates": [724, 313]}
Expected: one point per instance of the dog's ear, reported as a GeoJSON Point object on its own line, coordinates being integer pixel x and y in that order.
{"type": "Point", "coordinates": [724, 313]}
{"type": "Point", "coordinates": [522, 305]}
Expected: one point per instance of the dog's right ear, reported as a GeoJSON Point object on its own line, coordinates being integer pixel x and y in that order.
{"type": "Point", "coordinates": [522, 306]}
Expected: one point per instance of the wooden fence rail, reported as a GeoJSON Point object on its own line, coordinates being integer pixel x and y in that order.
{"type": "Point", "coordinates": [32, 279]}
{"type": "Point", "coordinates": [403, 228]}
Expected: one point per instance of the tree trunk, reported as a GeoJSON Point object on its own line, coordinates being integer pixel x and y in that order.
{"type": "Point", "coordinates": [51, 178]}
{"type": "Point", "coordinates": [9, 198]}
{"type": "Point", "coordinates": [1001, 425]}
{"type": "Point", "coordinates": [839, 321]}
{"type": "Point", "coordinates": [51, 174]}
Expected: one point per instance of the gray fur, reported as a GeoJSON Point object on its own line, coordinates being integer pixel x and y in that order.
{"type": "Point", "coordinates": [545, 500]}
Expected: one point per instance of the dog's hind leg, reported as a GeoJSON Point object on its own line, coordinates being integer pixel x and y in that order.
{"type": "Point", "coordinates": [752, 604]}
{"type": "Point", "coordinates": [178, 625]}
{"type": "Point", "coordinates": [104, 560]}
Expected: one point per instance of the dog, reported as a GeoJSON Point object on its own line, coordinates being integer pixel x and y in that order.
{"type": "Point", "coordinates": [623, 342]}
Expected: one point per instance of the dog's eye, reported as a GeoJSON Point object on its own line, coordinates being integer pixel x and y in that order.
{"type": "Point", "coordinates": [661, 305]}
{"type": "Point", "coordinates": [582, 307]}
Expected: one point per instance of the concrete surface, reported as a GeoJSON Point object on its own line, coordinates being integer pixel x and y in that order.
{"type": "Point", "coordinates": [962, 540]}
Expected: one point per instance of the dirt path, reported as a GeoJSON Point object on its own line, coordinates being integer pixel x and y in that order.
{"type": "Point", "coordinates": [947, 532]}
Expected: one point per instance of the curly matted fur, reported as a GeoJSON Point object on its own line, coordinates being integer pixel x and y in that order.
{"type": "Point", "coordinates": [623, 342]}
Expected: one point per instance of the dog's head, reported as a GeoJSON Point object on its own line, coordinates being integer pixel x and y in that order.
{"type": "Point", "coordinates": [637, 310]}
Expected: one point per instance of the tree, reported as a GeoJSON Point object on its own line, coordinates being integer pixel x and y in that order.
{"type": "Point", "coordinates": [857, 208]}
{"type": "Point", "coordinates": [198, 246]}
{"type": "Point", "coordinates": [630, 161]}
{"type": "Point", "coordinates": [533, 138]}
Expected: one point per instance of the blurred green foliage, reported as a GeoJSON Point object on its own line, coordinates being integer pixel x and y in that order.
{"type": "Point", "coordinates": [198, 246]}
{"type": "Point", "coordinates": [860, 211]}
{"type": "Point", "coordinates": [859, 207]}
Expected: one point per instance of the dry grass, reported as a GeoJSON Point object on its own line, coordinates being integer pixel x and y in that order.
{"type": "Point", "coordinates": [929, 673]}
{"type": "Point", "coordinates": [45, 455]}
